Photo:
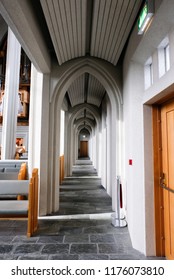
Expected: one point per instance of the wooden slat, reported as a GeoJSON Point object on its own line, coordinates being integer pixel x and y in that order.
{"type": "Point", "coordinates": [35, 208]}
{"type": "Point", "coordinates": [61, 173]}
{"type": "Point", "coordinates": [30, 209]}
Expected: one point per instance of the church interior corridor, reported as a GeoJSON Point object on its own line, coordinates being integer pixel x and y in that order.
{"type": "Point", "coordinates": [86, 106]}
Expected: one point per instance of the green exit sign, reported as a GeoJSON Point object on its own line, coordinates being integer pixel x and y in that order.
{"type": "Point", "coordinates": [142, 16]}
{"type": "Point", "coordinates": [145, 16]}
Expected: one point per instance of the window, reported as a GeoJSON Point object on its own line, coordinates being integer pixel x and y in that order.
{"type": "Point", "coordinates": [167, 57]}
{"type": "Point", "coordinates": [148, 73]}
{"type": "Point", "coordinates": [164, 57]}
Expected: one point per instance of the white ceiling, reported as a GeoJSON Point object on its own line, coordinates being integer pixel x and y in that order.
{"type": "Point", "coordinates": [106, 24]}
{"type": "Point", "coordinates": [98, 28]}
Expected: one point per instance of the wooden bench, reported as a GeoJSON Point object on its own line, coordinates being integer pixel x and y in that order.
{"type": "Point", "coordinates": [14, 173]}
{"type": "Point", "coordinates": [15, 209]}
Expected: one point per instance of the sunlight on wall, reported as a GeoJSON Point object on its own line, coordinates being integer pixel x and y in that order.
{"type": "Point", "coordinates": [62, 132]}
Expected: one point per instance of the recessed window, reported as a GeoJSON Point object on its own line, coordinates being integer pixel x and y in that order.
{"type": "Point", "coordinates": [167, 57]}
{"type": "Point", "coordinates": [164, 57]}
{"type": "Point", "coordinates": [148, 73]}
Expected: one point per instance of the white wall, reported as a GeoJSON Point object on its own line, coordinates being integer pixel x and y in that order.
{"type": "Point", "coordinates": [137, 123]}
{"type": "Point", "coordinates": [133, 176]}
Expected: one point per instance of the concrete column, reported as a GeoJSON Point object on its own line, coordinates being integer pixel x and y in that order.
{"type": "Point", "coordinates": [44, 189]}
{"type": "Point", "coordinates": [110, 154]}
{"type": "Point", "coordinates": [11, 97]}
{"type": "Point", "coordinates": [38, 134]}
{"type": "Point", "coordinates": [35, 119]}
{"type": "Point", "coordinates": [66, 142]}
{"type": "Point", "coordinates": [76, 145]}
{"type": "Point", "coordinates": [94, 148]}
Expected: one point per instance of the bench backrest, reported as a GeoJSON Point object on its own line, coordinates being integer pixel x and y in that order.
{"type": "Point", "coordinates": [9, 176]}
{"type": "Point", "coordinates": [12, 187]}
{"type": "Point", "coordinates": [11, 169]}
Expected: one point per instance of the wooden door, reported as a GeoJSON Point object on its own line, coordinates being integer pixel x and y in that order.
{"type": "Point", "coordinates": [83, 148]}
{"type": "Point", "coordinates": [167, 178]}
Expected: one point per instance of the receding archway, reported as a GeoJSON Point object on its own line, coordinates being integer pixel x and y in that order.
{"type": "Point", "coordinates": [61, 80]}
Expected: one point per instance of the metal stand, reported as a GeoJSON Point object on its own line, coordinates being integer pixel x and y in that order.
{"type": "Point", "coordinates": [118, 219]}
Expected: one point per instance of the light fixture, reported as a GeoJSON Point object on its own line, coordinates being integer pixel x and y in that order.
{"type": "Point", "coordinates": [145, 16]}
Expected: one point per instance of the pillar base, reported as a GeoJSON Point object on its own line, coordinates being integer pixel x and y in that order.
{"type": "Point", "coordinates": [121, 222]}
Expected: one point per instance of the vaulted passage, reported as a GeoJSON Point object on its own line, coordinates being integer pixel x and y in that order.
{"type": "Point", "coordinates": [82, 86]}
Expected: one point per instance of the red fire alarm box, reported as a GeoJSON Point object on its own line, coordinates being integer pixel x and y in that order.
{"type": "Point", "coordinates": [130, 161]}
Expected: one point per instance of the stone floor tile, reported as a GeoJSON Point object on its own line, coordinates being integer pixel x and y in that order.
{"type": "Point", "coordinates": [24, 239]}
{"type": "Point", "coordinates": [83, 249]}
{"type": "Point", "coordinates": [69, 230]}
{"type": "Point", "coordinates": [33, 257]}
{"type": "Point", "coordinates": [83, 238]}
{"type": "Point", "coordinates": [8, 257]}
{"type": "Point", "coordinates": [111, 248]}
{"type": "Point", "coordinates": [98, 229]}
{"type": "Point", "coordinates": [50, 239]}
{"type": "Point", "coordinates": [5, 248]}
{"type": "Point", "coordinates": [6, 239]}
{"type": "Point", "coordinates": [102, 238]}
{"type": "Point", "coordinates": [55, 249]}
{"type": "Point", "coordinates": [124, 257]}
{"type": "Point", "coordinates": [63, 257]}
{"type": "Point", "coordinates": [93, 257]}
{"type": "Point", "coordinates": [27, 249]}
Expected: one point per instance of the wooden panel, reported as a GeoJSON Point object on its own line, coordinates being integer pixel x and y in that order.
{"type": "Point", "coordinates": [167, 118]}
{"type": "Point", "coordinates": [61, 172]}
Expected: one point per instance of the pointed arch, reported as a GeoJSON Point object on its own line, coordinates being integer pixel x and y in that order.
{"type": "Point", "coordinates": [62, 77]}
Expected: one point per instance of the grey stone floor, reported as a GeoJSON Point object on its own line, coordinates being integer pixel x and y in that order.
{"type": "Point", "coordinates": [73, 239]}
{"type": "Point", "coordinates": [81, 230]}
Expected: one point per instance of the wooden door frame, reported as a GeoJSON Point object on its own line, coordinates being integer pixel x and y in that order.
{"type": "Point", "coordinates": [158, 192]}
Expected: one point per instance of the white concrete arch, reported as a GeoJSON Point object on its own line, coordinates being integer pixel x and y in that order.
{"type": "Point", "coordinates": [61, 79]}
{"type": "Point", "coordinates": [87, 127]}
{"type": "Point", "coordinates": [70, 156]}
{"type": "Point", "coordinates": [78, 128]}
{"type": "Point", "coordinates": [87, 121]}
{"type": "Point", "coordinates": [102, 70]}
{"type": "Point", "coordinates": [79, 108]}
{"type": "Point", "coordinates": [75, 111]}
{"type": "Point", "coordinates": [74, 140]}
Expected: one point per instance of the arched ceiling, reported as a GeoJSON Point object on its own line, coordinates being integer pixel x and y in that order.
{"type": "Point", "coordinates": [86, 89]}
{"type": "Point", "coordinates": [85, 117]}
{"type": "Point", "coordinates": [98, 28]}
